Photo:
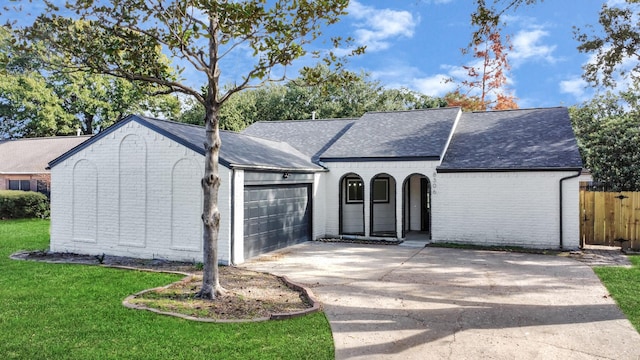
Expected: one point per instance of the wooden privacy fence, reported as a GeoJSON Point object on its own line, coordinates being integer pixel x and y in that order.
{"type": "Point", "coordinates": [609, 217]}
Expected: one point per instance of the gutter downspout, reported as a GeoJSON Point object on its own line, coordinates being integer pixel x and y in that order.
{"type": "Point", "coordinates": [232, 259]}
{"type": "Point", "coordinates": [560, 183]}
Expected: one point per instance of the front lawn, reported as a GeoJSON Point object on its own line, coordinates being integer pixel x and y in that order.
{"type": "Point", "coordinates": [64, 311]}
{"type": "Point", "coordinates": [624, 286]}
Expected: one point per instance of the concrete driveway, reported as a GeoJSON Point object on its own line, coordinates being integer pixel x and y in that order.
{"type": "Point", "coordinates": [432, 303]}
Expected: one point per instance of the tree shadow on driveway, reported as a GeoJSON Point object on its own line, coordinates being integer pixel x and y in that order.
{"type": "Point", "coordinates": [394, 302]}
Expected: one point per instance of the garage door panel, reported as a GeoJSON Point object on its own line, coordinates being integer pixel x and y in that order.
{"type": "Point", "coordinates": [276, 217]}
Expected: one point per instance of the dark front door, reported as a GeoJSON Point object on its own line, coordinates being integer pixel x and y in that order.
{"type": "Point", "coordinates": [425, 205]}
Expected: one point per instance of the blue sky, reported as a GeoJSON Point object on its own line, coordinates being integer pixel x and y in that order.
{"type": "Point", "coordinates": [416, 44]}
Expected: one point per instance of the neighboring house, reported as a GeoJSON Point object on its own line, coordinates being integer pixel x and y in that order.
{"type": "Point", "coordinates": [23, 162]}
{"type": "Point", "coordinates": [489, 178]}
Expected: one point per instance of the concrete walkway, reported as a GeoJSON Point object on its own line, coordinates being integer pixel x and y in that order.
{"type": "Point", "coordinates": [396, 302]}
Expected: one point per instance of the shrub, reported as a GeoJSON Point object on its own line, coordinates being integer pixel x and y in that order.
{"type": "Point", "coordinates": [16, 204]}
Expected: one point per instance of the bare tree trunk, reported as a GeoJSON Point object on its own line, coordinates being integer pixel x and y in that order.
{"type": "Point", "coordinates": [88, 124]}
{"type": "Point", "coordinates": [211, 287]}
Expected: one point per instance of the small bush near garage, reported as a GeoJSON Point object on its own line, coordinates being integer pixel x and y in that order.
{"type": "Point", "coordinates": [16, 204]}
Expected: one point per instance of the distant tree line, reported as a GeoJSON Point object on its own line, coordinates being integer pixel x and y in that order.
{"type": "Point", "coordinates": [295, 100]}
{"type": "Point", "coordinates": [43, 97]}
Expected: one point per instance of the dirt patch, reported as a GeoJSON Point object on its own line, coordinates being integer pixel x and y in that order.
{"type": "Point", "coordinates": [251, 295]}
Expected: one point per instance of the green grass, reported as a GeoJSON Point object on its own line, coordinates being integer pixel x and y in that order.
{"type": "Point", "coordinates": [64, 311]}
{"type": "Point", "coordinates": [624, 286]}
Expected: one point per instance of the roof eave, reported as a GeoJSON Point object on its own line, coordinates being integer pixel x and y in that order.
{"type": "Point", "coordinates": [275, 168]}
{"type": "Point", "coordinates": [199, 149]}
{"type": "Point", "coordinates": [92, 140]}
{"type": "Point", "coordinates": [518, 169]}
{"type": "Point", "coordinates": [378, 158]}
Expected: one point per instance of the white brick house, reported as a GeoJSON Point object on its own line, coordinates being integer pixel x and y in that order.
{"type": "Point", "coordinates": [134, 190]}
{"type": "Point", "coordinates": [491, 178]}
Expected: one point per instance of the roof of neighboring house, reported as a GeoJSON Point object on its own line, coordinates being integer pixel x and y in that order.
{"type": "Point", "coordinates": [525, 139]}
{"type": "Point", "coordinates": [395, 135]}
{"type": "Point", "coordinates": [310, 137]}
{"type": "Point", "coordinates": [31, 155]}
{"type": "Point", "coordinates": [237, 150]}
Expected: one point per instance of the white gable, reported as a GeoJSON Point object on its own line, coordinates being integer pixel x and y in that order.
{"type": "Point", "coordinates": [134, 193]}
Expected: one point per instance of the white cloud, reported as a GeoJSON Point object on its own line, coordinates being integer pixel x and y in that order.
{"type": "Point", "coordinates": [575, 86]}
{"type": "Point", "coordinates": [434, 85]}
{"type": "Point", "coordinates": [459, 73]}
{"type": "Point", "coordinates": [615, 3]}
{"type": "Point", "coordinates": [583, 91]}
{"type": "Point", "coordinates": [399, 75]}
{"type": "Point", "coordinates": [527, 45]}
{"type": "Point", "coordinates": [446, 80]}
{"type": "Point", "coordinates": [377, 27]}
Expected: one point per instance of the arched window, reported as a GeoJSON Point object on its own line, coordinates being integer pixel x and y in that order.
{"type": "Point", "coordinates": [351, 205]}
{"type": "Point", "coordinates": [383, 206]}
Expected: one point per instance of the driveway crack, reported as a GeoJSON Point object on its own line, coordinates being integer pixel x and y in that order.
{"type": "Point", "coordinates": [456, 329]}
{"type": "Point", "coordinates": [381, 278]}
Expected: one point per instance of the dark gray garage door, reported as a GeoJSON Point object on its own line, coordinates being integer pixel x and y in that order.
{"type": "Point", "coordinates": [275, 217]}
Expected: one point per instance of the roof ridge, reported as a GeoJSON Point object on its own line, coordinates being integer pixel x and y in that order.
{"type": "Point", "coordinates": [270, 142]}
{"type": "Point", "coordinates": [267, 142]}
{"type": "Point", "coordinates": [304, 120]}
{"type": "Point", "coordinates": [519, 109]}
{"type": "Point", "coordinates": [168, 121]}
{"type": "Point", "coordinates": [195, 126]}
{"type": "Point", "coordinates": [46, 138]}
{"type": "Point", "coordinates": [200, 127]}
{"type": "Point", "coordinates": [412, 110]}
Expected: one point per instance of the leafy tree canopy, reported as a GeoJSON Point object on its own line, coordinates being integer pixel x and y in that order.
{"type": "Point", "coordinates": [608, 132]}
{"type": "Point", "coordinates": [489, 14]}
{"type": "Point", "coordinates": [616, 48]}
{"type": "Point", "coordinates": [466, 102]}
{"type": "Point", "coordinates": [295, 100]}
{"type": "Point", "coordinates": [41, 97]}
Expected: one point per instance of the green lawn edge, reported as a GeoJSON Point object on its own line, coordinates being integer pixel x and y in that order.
{"type": "Point", "coordinates": [623, 284]}
{"type": "Point", "coordinates": [68, 311]}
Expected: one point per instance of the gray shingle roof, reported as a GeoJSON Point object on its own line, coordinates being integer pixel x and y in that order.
{"type": "Point", "coordinates": [396, 135]}
{"type": "Point", "coordinates": [525, 139]}
{"type": "Point", "coordinates": [31, 156]}
{"type": "Point", "coordinates": [238, 150]}
{"type": "Point", "coordinates": [311, 137]}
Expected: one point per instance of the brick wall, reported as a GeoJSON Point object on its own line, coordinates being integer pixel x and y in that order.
{"type": "Point", "coordinates": [34, 179]}
{"type": "Point", "coordinates": [507, 208]}
{"type": "Point", "coordinates": [319, 205]}
{"type": "Point", "coordinates": [515, 208]}
{"type": "Point", "coordinates": [134, 193]}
